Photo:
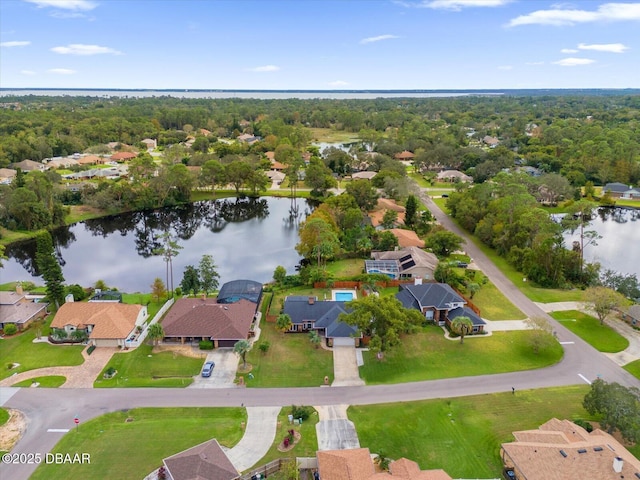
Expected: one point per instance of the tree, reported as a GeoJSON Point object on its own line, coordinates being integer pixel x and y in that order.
{"type": "Point", "coordinates": [317, 239]}
{"type": "Point", "coordinates": [101, 285]}
{"type": "Point", "coordinates": [578, 215]}
{"type": "Point", "coordinates": [50, 268]}
{"type": "Point", "coordinates": [473, 288]}
{"type": "Point", "coordinates": [443, 242]}
{"type": "Point", "coordinates": [155, 333]}
{"type": "Point", "coordinates": [283, 322]}
{"type": "Point", "coordinates": [541, 334]}
{"type": "Point", "coordinates": [208, 274]}
{"type": "Point", "coordinates": [318, 177]}
{"type": "Point", "coordinates": [279, 274]}
{"type": "Point", "coordinates": [603, 301]}
{"type": "Point", "coordinates": [619, 407]}
{"type": "Point", "coordinates": [411, 210]}
{"type": "Point", "coordinates": [190, 280]}
{"type": "Point", "coordinates": [384, 319]}
{"type": "Point", "coordinates": [158, 289]}
{"type": "Point", "coordinates": [462, 326]}
{"type": "Point", "coordinates": [213, 173]}
{"type": "Point", "coordinates": [169, 249]}
{"type": "Point", "coordinates": [364, 193]}
{"type": "Point", "coordinates": [241, 348]}
{"type": "Point", "coordinates": [2, 256]}
{"type": "Point", "coordinates": [238, 172]}
{"type": "Point", "coordinates": [314, 338]}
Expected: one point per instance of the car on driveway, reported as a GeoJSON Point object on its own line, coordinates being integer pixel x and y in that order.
{"type": "Point", "coordinates": [207, 369]}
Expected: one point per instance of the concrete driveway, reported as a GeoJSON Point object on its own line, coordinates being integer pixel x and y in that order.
{"type": "Point", "coordinates": [259, 434]}
{"type": "Point", "coordinates": [345, 367]}
{"type": "Point", "coordinates": [223, 374]}
{"type": "Point", "coordinates": [334, 430]}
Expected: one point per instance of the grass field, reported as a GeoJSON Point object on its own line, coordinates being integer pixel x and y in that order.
{"type": "Point", "coordinates": [600, 337]}
{"type": "Point", "coordinates": [143, 368]}
{"type": "Point", "coordinates": [121, 449]}
{"type": "Point", "coordinates": [428, 356]}
{"type": "Point", "coordinates": [633, 368]}
{"type": "Point", "coordinates": [346, 268]}
{"type": "Point", "coordinates": [21, 349]}
{"type": "Point", "coordinates": [494, 305]}
{"type": "Point", "coordinates": [462, 435]}
{"type": "Point", "coordinates": [143, 299]}
{"type": "Point", "coordinates": [306, 447]}
{"type": "Point", "coordinates": [330, 135]}
{"type": "Point", "coordinates": [292, 361]}
{"type": "Point", "coordinates": [52, 381]}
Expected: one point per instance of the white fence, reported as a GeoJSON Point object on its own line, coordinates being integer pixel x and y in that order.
{"type": "Point", "coordinates": [143, 335]}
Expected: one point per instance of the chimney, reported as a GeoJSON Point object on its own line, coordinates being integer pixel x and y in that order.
{"type": "Point", "coordinates": [312, 300]}
{"type": "Point", "coordinates": [618, 463]}
{"type": "Point", "coordinates": [417, 281]}
{"type": "Point", "coordinates": [19, 290]}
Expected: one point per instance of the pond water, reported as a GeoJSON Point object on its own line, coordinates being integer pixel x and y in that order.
{"type": "Point", "coordinates": [248, 239]}
{"type": "Point", "coordinates": [619, 247]}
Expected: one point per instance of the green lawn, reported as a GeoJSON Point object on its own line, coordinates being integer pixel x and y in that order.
{"type": "Point", "coordinates": [428, 356]}
{"type": "Point", "coordinates": [144, 299]}
{"type": "Point", "coordinates": [462, 435]}
{"type": "Point", "coordinates": [494, 305]}
{"type": "Point", "coordinates": [600, 337]}
{"type": "Point", "coordinates": [633, 368]}
{"type": "Point", "coordinates": [346, 268]}
{"type": "Point", "coordinates": [121, 449]}
{"type": "Point", "coordinates": [21, 349]}
{"type": "Point", "coordinates": [52, 381]}
{"type": "Point", "coordinates": [143, 368]}
{"type": "Point", "coordinates": [330, 135]}
{"type": "Point", "coordinates": [306, 447]}
{"type": "Point", "coordinates": [292, 361]}
{"type": "Point", "coordinates": [4, 416]}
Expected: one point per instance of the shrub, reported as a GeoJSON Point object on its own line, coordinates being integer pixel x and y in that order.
{"type": "Point", "coordinates": [178, 292]}
{"type": "Point", "coordinates": [584, 424]}
{"type": "Point", "coordinates": [206, 344]}
{"type": "Point", "coordinates": [303, 412]}
{"type": "Point", "coordinates": [10, 329]}
{"type": "Point", "coordinates": [264, 346]}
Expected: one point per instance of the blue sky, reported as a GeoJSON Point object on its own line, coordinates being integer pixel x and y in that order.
{"type": "Point", "coordinates": [318, 44]}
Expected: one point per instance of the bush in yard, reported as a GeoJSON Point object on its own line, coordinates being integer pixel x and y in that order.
{"type": "Point", "coordinates": [302, 412]}
{"type": "Point", "coordinates": [10, 329]}
{"type": "Point", "coordinates": [584, 424]}
{"type": "Point", "coordinates": [264, 346]}
{"type": "Point", "coordinates": [206, 344]}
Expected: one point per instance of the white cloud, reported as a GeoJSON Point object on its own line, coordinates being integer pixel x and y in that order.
{"type": "Point", "coordinates": [338, 83]}
{"type": "Point", "coordinates": [568, 50]}
{"type": "Point", "coordinates": [574, 62]}
{"type": "Point", "coordinates": [83, 5]}
{"type": "Point", "coordinates": [81, 49]}
{"type": "Point", "coordinates": [505, 67]}
{"type": "Point", "coordinates": [605, 47]}
{"type": "Point", "coordinates": [265, 68]}
{"type": "Point", "coordinates": [61, 71]}
{"type": "Point", "coordinates": [379, 38]}
{"type": "Point", "coordinates": [558, 16]}
{"type": "Point", "coordinates": [27, 72]}
{"type": "Point", "coordinates": [457, 5]}
{"type": "Point", "coordinates": [15, 43]}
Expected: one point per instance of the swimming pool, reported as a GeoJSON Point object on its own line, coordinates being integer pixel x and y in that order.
{"type": "Point", "coordinates": [343, 295]}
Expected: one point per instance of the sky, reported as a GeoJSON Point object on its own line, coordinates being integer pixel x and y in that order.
{"type": "Point", "coordinates": [319, 45]}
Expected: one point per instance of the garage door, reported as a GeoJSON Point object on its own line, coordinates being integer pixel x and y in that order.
{"type": "Point", "coordinates": [344, 342]}
{"type": "Point", "coordinates": [226, 343]}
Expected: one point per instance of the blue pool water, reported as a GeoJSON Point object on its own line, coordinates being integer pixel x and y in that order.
{"type": "Point", "coordinates": [344, 296]}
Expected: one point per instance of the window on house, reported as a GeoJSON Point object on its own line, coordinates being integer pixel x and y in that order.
{"type": "Point", "coordinates": [429, 314]}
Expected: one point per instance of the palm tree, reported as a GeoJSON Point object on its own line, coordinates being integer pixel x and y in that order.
{"type": "Point", "coordinates": [241, 348]}
{"type": "Point", "coordinates": [314, 338]}
{"type": "Point", "coordinates": [462, 325]}
{"type": "Point", "coordinates": [283, 323]}
{"type": "Point", "coordinates": [156, 332]}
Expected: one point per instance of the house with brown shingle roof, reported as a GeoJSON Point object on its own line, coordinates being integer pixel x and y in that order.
{"type": "Point", "coordinates": [562, 450]}
{"type": "Point", "coordinates": [29, 166]}
{"type": "Point", "coordinates": [89, 160]}
{"type": "Point", "coordinates": [123, 156]}
{"type": "Point", "coordinates": [206, 461]}
{"type": "Point", "coordinates": [405, 155]}
{"type": "Point", "coordinates": [357, 464]}
{"type": "Point", "coordinates": [106, 324]}
{"type": "Point", "coordinates": [195, 319]}
{"type": "Point", "coordinates": [382, 205]}
{"type": "Point", "coordinates": [407, 238]}
{"type": "Point", "coordinates": [15, 308]}
{"type": "Point", "coordinates": [7, 175]}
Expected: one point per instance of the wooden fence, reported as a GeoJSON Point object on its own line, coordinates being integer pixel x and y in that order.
{"type": "Point", "coordinates": [266, 470]}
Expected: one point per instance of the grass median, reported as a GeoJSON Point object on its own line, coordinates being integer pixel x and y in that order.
{"type": "Point", "coordinates": [131, 444]}
{"type": "Point", "coordinates": [427, 355]}
{"type": "Point", "coordinates": [51, 381]}
{"type": "Point", "coordinates": [601, 337]}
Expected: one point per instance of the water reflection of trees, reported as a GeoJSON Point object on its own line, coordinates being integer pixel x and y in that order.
{"type": "Point", "coordinates": [24, 253]}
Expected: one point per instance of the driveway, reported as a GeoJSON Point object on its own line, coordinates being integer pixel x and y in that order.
{"type": "Point", "coordinates": [224, 373]}
{"type": "Point", "coordinates": [334, 430]}
{"type": "Point", "coordinates": [345, 367]}
{"type": "Point", "coordinates": [259, 434]}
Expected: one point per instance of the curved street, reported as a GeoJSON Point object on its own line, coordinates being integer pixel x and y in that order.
{"type": "Point", "coordinates": [48, 409]}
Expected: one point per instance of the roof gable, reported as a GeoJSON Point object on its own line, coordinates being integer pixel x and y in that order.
{"type": "Point", "coordinates": [437, 295]}
{"type": "Point", "coordinates": [109, 320]}
{"type": "Point", "coordinates": [204, 461]}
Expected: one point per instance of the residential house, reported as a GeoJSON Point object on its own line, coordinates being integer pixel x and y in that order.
{"type": "Point", "coordinates": [308, 313]}
{"type": "Point", "coordinates": [90, 160]}
{"type": "Point", "coordinates": [632, 314]}
{"type": "Point", "coordinates": [17, 309]}
{"type": "Point", "coordinates": [363, 175]}
{"type": "Point", "coordinates": [453, 176]}
{"type": "Point", "coordinates": [404, 155]}
{"type": "Point", "coordinates": [529, 170]}
{"type": "Point", "coordinates": [562, 450]}
{"type": "Point", "coordinates": [62, 162]}
{"type": "Point", "coordinates": [195, 319]}
{"type": "Point", "coordinates": [357, 464]}
{"type": "Point", "coordinates": [248, 138]}
{"type": "Point", "coordinates": [407, 238]}
{"type": "Point", "coordinates": [150, 143]}
{"type": "Point", "coordinates": [382, 205]}
{"type": "Point", "coordinates": [275, 177]}
{"type": "Point", "coordinates": [206, 461]}
{"type": "Point", "coordinates": [409, 262]}
{"type": "Point", "coordinates": [620, 190]}
{"type": "Point", "coordinates": [439, 303]}
{"type": "Point", "coordinates": [123, 156]}
{"type": "Point", "coordinates": [7, 175]}
{"type": "Point", "coordinates": [237, 290]}
{"type": "Point", "coordinates": [491, 142]}
{"type": "Point", "coordinates": [106, 324]}
{"type": "Point", "coordinates": [29, 166]}
{"type": "Point", "coordinates": [205, 132]}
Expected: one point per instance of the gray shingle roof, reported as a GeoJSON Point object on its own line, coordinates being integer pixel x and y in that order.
{"type": "Point", "coordinates": [466, 312]}
{"type": "Point", "coordinates": [437, 295]}
{"type": "Point", "coordinates": [324, 315]}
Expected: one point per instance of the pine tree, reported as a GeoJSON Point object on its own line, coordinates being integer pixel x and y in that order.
{"type": "Point", "coordinates": [50, 268]}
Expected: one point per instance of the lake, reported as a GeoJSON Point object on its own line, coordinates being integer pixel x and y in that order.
{"type": "Point", "coordinates": [248, 239]}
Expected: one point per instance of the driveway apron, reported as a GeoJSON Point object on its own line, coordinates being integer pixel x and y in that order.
{"type": "Point", "coordinates": [334, 430]}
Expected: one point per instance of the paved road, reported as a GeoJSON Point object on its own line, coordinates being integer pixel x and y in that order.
{"type": "Point", "coordinates": [56, 408]}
